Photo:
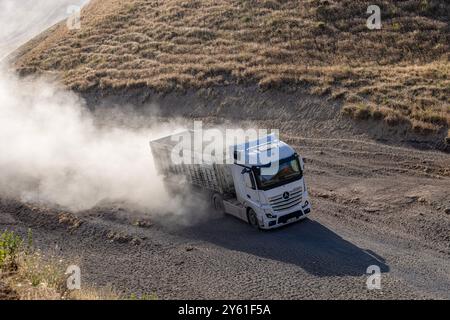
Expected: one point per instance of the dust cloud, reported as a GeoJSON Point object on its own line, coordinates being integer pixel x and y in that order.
{"type": "Point", "coordinates": [22, 20]}
{"type": "Point", "coordinates": [52, 151]}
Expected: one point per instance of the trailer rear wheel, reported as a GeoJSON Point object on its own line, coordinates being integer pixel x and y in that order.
{"type": "Point", "coordinates": [252, 218]}
{"type": "Point", "coordinates": [217, 204]}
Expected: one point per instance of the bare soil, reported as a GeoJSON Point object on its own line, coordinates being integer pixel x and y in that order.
{"type": "Point", "coordinates": [6, 292]}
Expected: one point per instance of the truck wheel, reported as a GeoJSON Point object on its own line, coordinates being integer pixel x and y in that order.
{"type": "Point", "coordinates": [217, 204]}
{"type": "Point", "coordinates": [252, 219]}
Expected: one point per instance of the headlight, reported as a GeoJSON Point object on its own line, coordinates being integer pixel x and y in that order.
{"type": "Point", "coordinates": [269, 214]}
{"type": "Point", "coordinates": [305, 204]}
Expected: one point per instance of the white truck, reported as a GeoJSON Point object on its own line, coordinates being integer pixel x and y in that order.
{"type": "Point", "coordinates": [247, 191]}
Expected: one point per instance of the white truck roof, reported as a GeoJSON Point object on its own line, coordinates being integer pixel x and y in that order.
{"type": "Point", "coordinates": [268, 145]}
{"type": "Point", "coordinates": [257, 152]}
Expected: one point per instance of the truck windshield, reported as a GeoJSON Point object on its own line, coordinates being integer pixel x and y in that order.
{"type": "Point", "coordinates": [289, 170]}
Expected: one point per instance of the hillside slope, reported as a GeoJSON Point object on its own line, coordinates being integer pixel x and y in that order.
{"type": "Point", "coordinates": [399, 73]}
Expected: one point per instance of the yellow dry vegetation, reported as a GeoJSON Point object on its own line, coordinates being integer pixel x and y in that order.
{"type": "Point", "coordinates": [399, 73]}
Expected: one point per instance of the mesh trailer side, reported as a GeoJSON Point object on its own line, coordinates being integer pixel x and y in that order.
{"type": "Point", "coordinates": [215, 177]}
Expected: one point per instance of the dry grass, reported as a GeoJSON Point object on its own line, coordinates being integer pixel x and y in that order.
{"type": "Point", "coordinates": [30, 275]}
{"type": "Point", "coordinates": [399, 73]}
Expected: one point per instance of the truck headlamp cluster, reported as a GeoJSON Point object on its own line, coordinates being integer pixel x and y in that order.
{"type": "Point", "coordinates": [269, 214]}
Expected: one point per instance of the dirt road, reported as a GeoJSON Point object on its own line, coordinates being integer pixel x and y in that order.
{"type": "Point", "coordinates": [373, 205]}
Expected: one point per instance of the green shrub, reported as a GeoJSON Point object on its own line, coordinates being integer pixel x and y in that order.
{"type": "Point", "coordinates": [10, 244]}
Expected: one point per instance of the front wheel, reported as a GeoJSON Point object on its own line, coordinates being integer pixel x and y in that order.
{"type": "Point", "coordinates": [252, 219]}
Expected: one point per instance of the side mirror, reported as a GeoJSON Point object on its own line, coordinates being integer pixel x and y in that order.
{"type": "Point", "coordinates": [304, 160]}
{"type": "Point", "coordinates": [245, 170]}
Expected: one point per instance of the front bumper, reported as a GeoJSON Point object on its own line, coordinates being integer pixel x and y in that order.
{"type": "Point", "coordinates": [288, 218]}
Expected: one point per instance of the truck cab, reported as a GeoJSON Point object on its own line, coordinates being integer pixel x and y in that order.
{"type": "Point", "coordinates": [271, 193]}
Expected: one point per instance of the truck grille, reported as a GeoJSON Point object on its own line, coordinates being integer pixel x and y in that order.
{"type": "Point", "coordinates": [281, 202]}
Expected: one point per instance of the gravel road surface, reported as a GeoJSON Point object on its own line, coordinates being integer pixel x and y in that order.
{"type": "Point", "coordinates": [373, 204]}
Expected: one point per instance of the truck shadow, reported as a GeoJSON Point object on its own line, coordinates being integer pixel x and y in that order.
{"type": "Point", "coordinates": [307, 244]}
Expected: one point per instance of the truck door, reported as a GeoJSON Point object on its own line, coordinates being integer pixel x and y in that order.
{"type": "Point", "coordinates": [251, 194]}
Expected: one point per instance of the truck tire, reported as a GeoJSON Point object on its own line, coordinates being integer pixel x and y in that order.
{"type": "Point", "coordinates": [252, 218]}
{"type": "Point", "coordinates": [217, 204]}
